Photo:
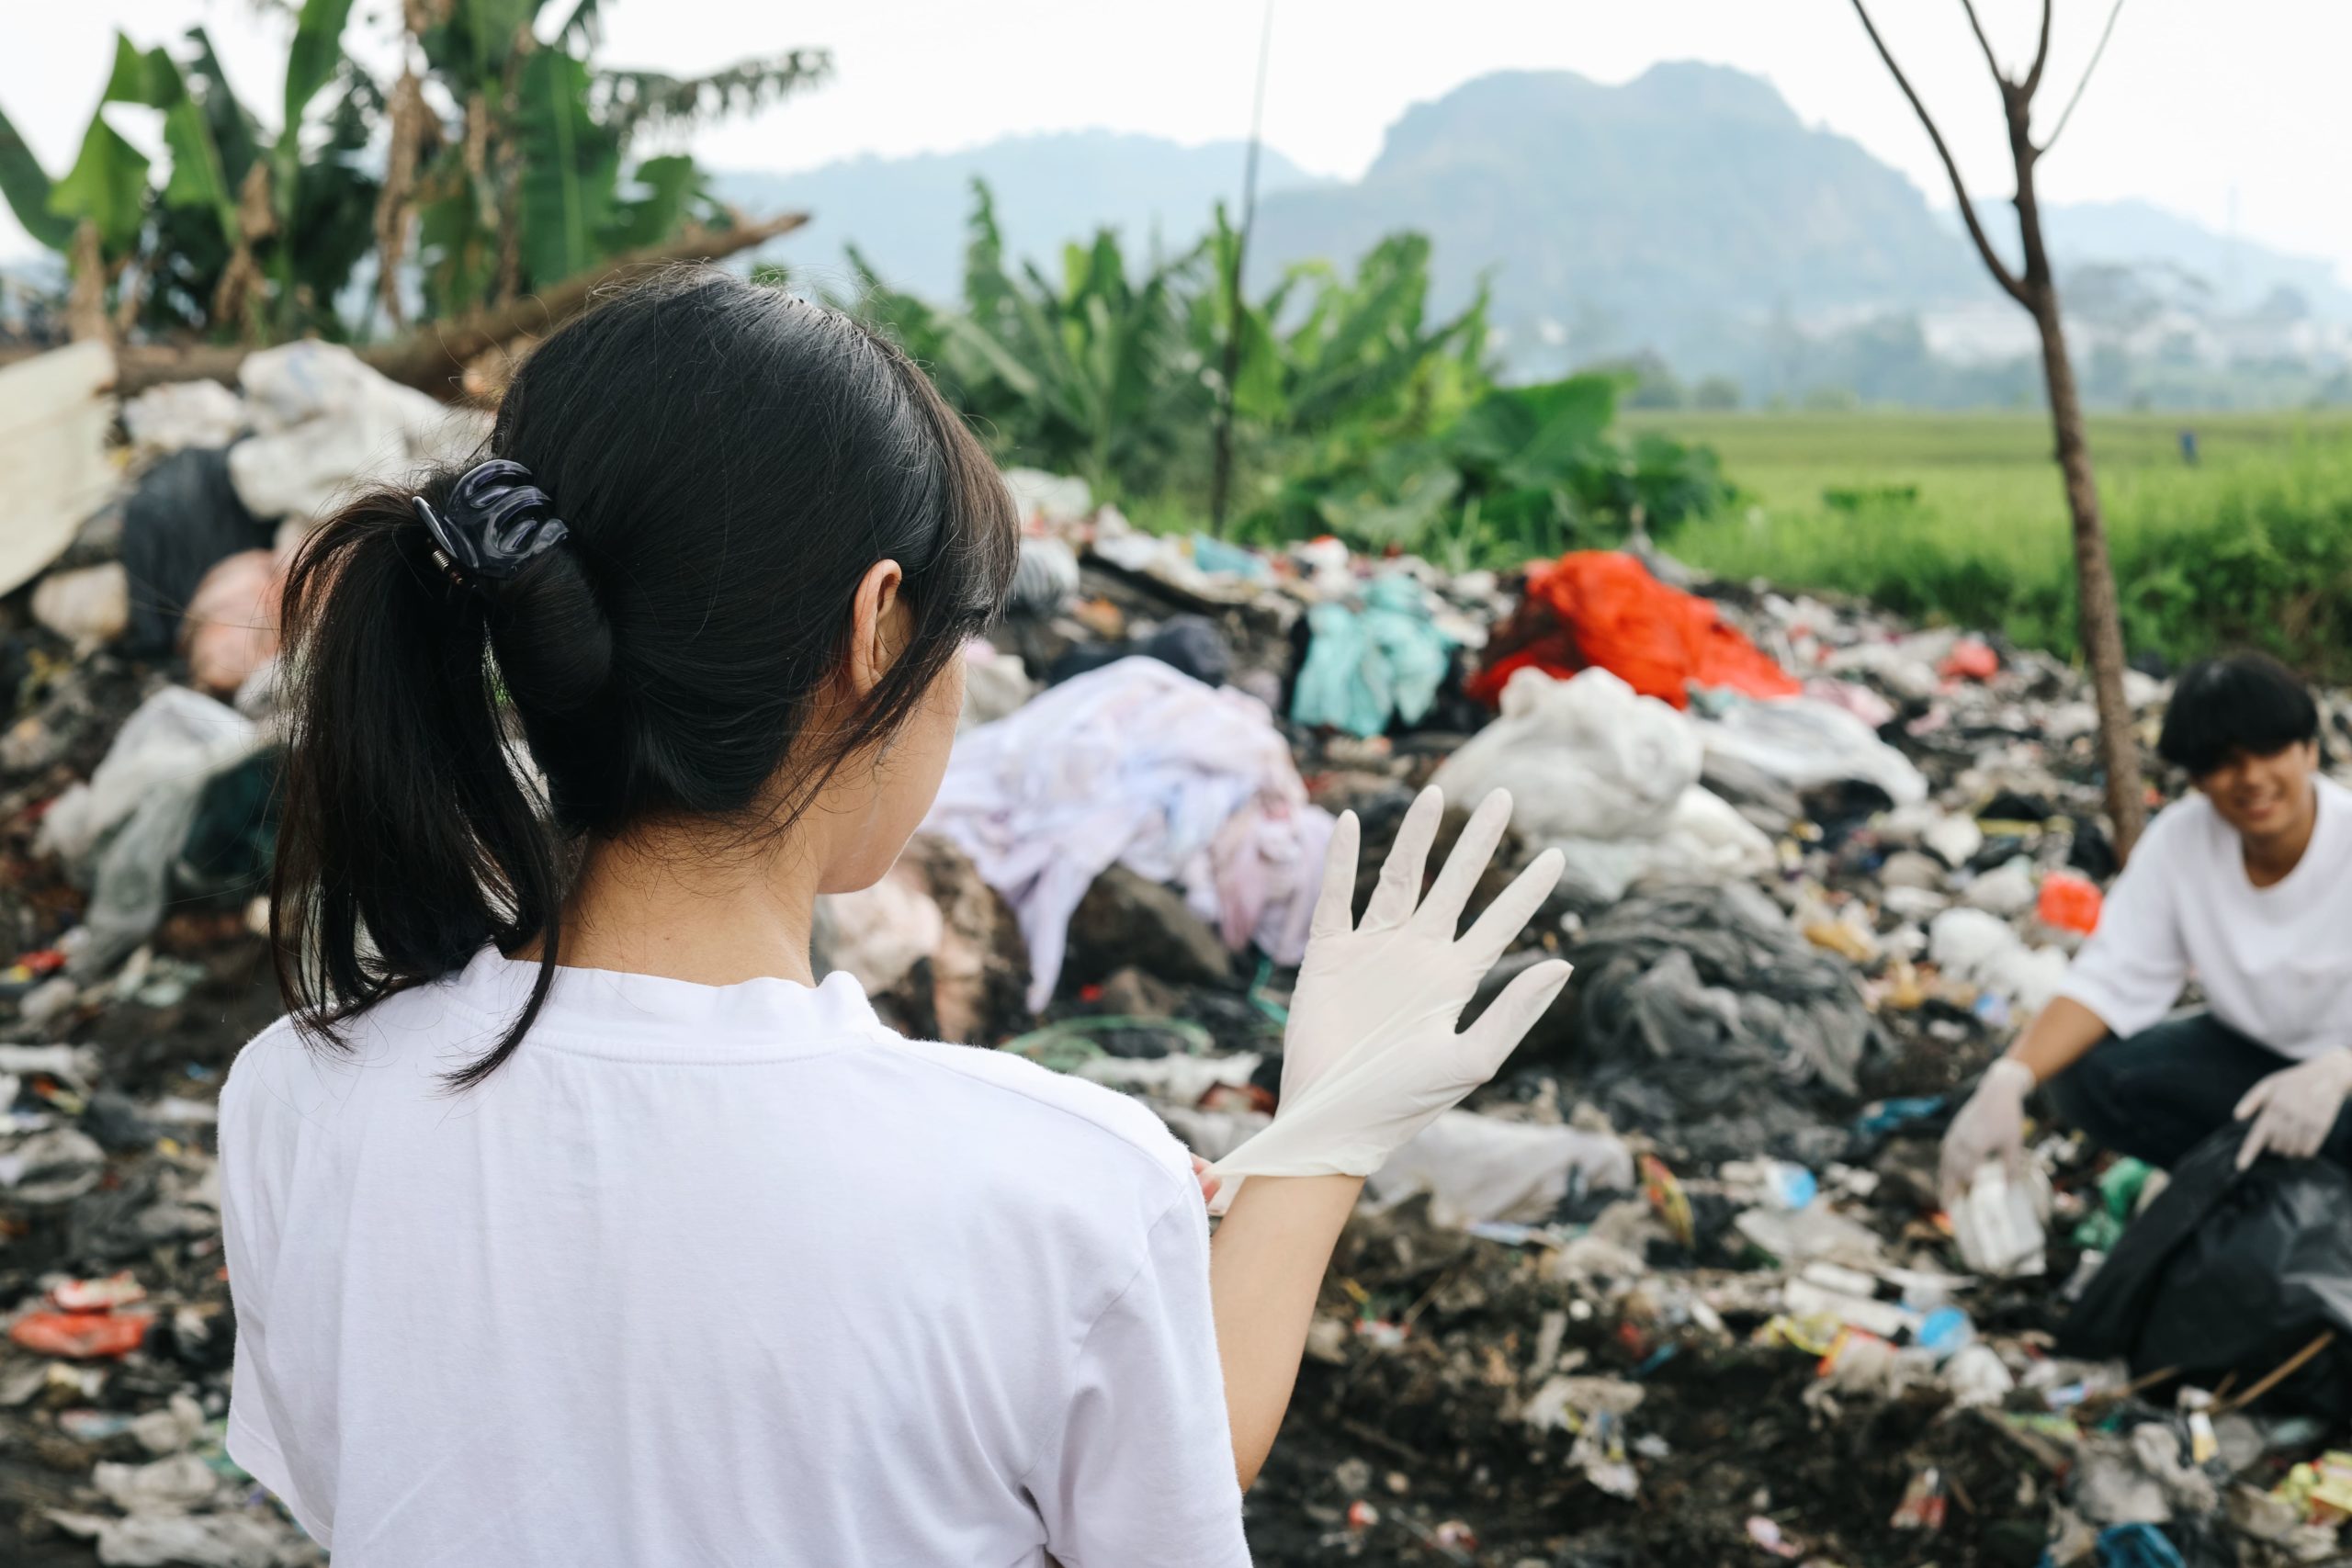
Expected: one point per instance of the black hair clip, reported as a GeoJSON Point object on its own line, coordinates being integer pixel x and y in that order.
{"type": "Point", "coordinates": [496, 521]}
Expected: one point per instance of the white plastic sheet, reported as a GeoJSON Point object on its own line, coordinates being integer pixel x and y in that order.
{"type": "Point", "coordinates": [1612, 778]}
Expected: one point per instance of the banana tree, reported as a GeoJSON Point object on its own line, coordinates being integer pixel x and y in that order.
{"type": "Point", "coordinates": [533, 181]}
{"type": "Point", "coordinates": [244, 234]}
{"type": "Point", "coordinates": [1089, 374]}
{"type": "Point", "coordinates": [254, 235]}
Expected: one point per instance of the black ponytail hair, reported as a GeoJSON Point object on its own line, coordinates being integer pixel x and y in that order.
{"type": "Point", "coordinates": [729, 461]}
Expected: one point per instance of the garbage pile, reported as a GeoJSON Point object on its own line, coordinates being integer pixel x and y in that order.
{"type": "Point", "coordinates": [1675, 1288]}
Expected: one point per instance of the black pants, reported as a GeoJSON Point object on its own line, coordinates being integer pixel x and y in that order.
{"type": "Point", "coordinates": [2157, 1094]}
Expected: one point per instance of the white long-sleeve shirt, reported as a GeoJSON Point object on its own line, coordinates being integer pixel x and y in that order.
{"type": "Point", "coordinates": [2275, 963]}
{"type": "Point", "coordinates": [714, 1275]}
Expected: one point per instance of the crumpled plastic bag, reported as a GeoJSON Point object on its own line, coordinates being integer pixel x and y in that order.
{"type": "Point", "coordinates": [1807, 743]}
{"type": "Point", "coordinates": [1612, 778]}
{"type": "Point", "coordinates": [1481, 1168]}
{"type": "Point", "coordinates": [122, 831]}
{"type": "Point", "coordinates": [183, 413]}
{"type": "Point", "coordinates": [1980, 949]}
{"type": "Point", "coordinates": [327, 424]}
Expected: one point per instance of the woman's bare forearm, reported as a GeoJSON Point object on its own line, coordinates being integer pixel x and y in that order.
{"type": "Point", "coordinates": [1266, 1266]}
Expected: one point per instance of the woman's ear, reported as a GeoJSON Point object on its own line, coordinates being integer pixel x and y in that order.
{"type": "Point", "coordinates": [880, 628]}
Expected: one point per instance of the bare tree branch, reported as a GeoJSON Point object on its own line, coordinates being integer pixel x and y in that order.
{"type": "Point", "coordinates": [2001, 274]}
{"type": "Point", "coordinates": [2041, 56]}
{"type": "Point", "coordinates": [1991, 60]}
{"type": "Point", "coordinates": [2067, 113]}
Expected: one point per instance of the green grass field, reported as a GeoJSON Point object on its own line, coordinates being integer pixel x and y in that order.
{"type": "Point", "coordinates": [1961, 517]}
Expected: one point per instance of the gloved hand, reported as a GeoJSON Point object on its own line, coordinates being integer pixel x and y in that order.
{"type": "Point", "coordinates": [1990, 1126]}
{"type": "Point", "coordinates": [1371, 1055]}
{"type": "Point", "coordinates": [2295, 1108]}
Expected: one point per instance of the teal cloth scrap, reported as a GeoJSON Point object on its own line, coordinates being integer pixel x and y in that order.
{"type": "Point", "coordinates": [1364, 667]}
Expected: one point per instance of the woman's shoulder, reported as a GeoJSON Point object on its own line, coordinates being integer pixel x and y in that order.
{"type": "Point", "coordinates": [1070, 1118]}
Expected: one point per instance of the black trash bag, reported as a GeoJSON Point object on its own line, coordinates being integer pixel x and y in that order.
{"type": "Point", "coordinates": [1190, 643]}
{"type": "Point", "coordinates": [2232, 1272]}
{"type": "Point", "coordinates": [184, 518]}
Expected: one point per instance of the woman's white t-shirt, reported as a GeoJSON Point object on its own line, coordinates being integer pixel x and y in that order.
{"type": "Point", "coordinates": [714, 1275]}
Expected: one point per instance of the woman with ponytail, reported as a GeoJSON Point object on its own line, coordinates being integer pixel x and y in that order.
{"type": "Point", "coordinates": [571, 1218]}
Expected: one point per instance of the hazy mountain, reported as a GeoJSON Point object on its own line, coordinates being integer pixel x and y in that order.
{"type": "Point", "coordinates": [1657, 215]}
{"type": "Point", "coordinates": [1688, 214]}
{"type": "Point", "coordinates": [906, 215]}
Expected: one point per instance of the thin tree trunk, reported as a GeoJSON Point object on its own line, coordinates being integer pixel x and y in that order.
{"type": "Point", "coordinates": [2099, 623]}
{"type": "Point", "coordinates": [2037, 290]}
{"type": "Point", "coordinates": [2102, 625]}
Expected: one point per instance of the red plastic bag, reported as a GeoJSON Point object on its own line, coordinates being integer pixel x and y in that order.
{"type": "Point", "coordinates": [81, 1335]}
{"type": "Point", "coordinates": [1603, 608]}
{"type": "Point", "coordinates": [2069, 902]}
{"type": "Point", "coordinates": [1971, 658]}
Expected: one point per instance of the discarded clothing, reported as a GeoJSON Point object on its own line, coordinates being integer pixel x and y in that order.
{"type": "Point", "coordinates": [1364, 667]}
{"type": "Point", "coordinates": [1136, 763]}
{"type": "Point", "coordinates": [1698, 1007]}
{"type": "Point", "coordinates": [1602, 609]}
{"type": "Point", "coordinates": [1610, 777]}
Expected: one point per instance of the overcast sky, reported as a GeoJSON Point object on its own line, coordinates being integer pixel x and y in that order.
{"type": "Point", "coordinates": [2236, 112]}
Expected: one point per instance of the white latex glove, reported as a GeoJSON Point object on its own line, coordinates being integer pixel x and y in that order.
{"type": "Point", "coordinates": [2295, 1108]}
{"type": "Point", "coordinates": [1990, 1126]}
{"type": "Point", "coordinates": [1371, 1056]}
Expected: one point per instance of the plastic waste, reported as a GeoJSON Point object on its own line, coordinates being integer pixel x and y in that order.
{"type": "Point", "coordinates": [1801, 1235]}
{"type": "Point", "coordinates": [1602, 609]}
{"type": "Point", "coordinates": [2069, 901]}
{"type": "Point", "coordinates": [2228, 1271]}
{"type": "Point", "coordinates": [1610, 777]}
{"type": "Point", "coordinates": [183, 519]}
{"type": "Point", "coordinates": [1050, 498]}
{"type": "Point", "coordinates": [1998, 1222]}
{"type": "Point", "coordinates": [880, 933]}
{"type": "Point", "coordinates": [125, 829]}
{"type": "Point", "coordinates": [230, 629]}
{"type": "Point", "coordinates": [326, 425]}
{"type": "Point", "coordinates": [995, 685]}
{"type": "Point", "coordinates": [55, 415]}
{"type": "Point", "coordinates": [51, 1166]}
{"type": "Point", "coordinates": [1046, 578]}
{"type": "Point", "coordinates": [183, 413]}
{"type": "Point", "coordinates": [1775, 1183]}
{"type": "Point", "coordinates": [1981, 949]}
{"type": "Point", "coordinates": [1971, 658]}
{"type": "Point", "coordinates": [1480, 1167]}
{"type": "Point", "coordinates": [245, 1538]}
{"type": "Point", "coordinates": [85, 607]}
{"type": "Point", "coordinates": [2005, 890]}
{"type": "Point", "coordinates": [1976, 1376]}
{"type": "Point", "coordinates": [1807, 743]}
{"type": "Point", "coordinates": [80, 1336]}
{"type": "Point", "coordinates": [1955, 840]}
